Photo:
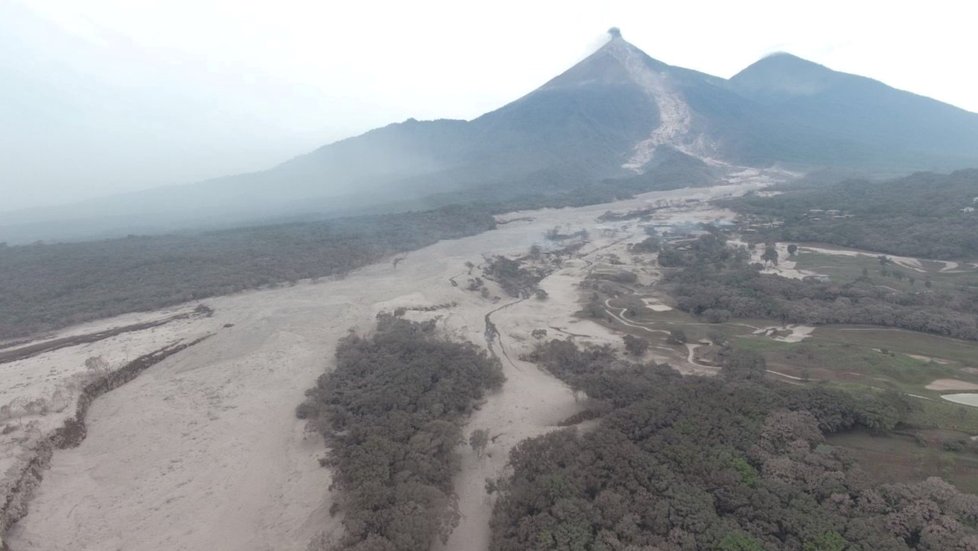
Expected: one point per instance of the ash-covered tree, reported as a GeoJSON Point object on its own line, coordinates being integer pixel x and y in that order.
{"type": "Point", "coordinates": [711, 463]}
{"type": "Point", "coordinates": [478, 440]}
{"type": "Point", "coordinates": [391, 412]}
{"type": "Point", "coordinates": [636, 346]}
{"type": "Point", "coordinates": [743, 365]}
{"type": "Point", "coordinates": [770, 254]}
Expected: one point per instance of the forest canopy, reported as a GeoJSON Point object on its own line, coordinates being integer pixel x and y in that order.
{"type": "Point", "coordinates": [711, 279]}
{"type": "Point", "coordinates": [48, 286]}
{"type": "Point", "coordinates": [731, 463]}
{"type": "Point", "coordinates": [391, 413]}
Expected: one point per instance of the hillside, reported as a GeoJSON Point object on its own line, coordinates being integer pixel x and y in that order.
{"type": "Point", "coordinates": [835, 118]}
{"type": "Point", "coordinates": [610, 116]}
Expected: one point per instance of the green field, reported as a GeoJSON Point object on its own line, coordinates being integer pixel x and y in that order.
{"type": "Point", "coordinates": [935, 438]}
{"type": "Point", "coordinates": [876, 357]}
{"type": "Point", "coordinates": [844, 269]}
{"type": "Point", "coordinates": [910, 458]}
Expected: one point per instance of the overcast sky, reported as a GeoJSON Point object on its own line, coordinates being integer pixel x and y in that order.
{"type": "Point", "coordinates": [104, 96]}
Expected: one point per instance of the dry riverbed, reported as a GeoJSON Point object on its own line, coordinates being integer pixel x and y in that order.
{"type": "Point", "coordinates": [203, 450]}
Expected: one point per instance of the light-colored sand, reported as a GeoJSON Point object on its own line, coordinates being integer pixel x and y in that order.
{"type": "Point", "coordinates": [951, 384]}
{"type": "Point", "coordinates": [656, 305]}
{"type": "Point", "coordinates": [203, 451]}
{"type": "Point", "coordinates": [795, 333]}
{"type": "Point", "coordinates": [966, 399]}
{"type": "Point", "coordinates": [53, 380]}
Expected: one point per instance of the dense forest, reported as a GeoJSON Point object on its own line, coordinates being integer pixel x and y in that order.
{"type": "Point", "coordinates": [711, 279]}
{"type": "Point", "coordinates": [391, 414]}
{"type": "Point", "coordinates": [732, 463]}
{"type": "Point", "coordinates": [924, 215]}
{"type": "Point", "coordinates": [48, 286]}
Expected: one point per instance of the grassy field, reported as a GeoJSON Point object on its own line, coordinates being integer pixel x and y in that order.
{"type": "Point", "coordinates": [874, 362]}
{"type": "Point", "coordinates": [655, 326]}
{"type": "Point", "coordinates": [910, 458]}
{"type": "Point", "coordinates": [963, 353]}
{"type": "Point", "coordinates": [880, 358]}
{"type": "Point", "coordinates": [844, 269]}
{"type": "Point", "coordinates": [861, 360]}
{"type": "Point", "coordinates": [936, 438]}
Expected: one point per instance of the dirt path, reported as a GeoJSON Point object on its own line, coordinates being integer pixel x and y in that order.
{"type": "Point", "coordinates": [619, 316]}
{"type": "Point", "coordinates": [493, 339]}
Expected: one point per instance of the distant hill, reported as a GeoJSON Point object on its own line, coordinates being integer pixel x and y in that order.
{"type": "Point", "coordinates": [614, 115]}
{"type": "Point", "coordinates": [833, 118]}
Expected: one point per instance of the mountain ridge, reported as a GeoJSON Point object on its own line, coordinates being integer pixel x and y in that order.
{"type": "Point", "coordinates": [603, 118]}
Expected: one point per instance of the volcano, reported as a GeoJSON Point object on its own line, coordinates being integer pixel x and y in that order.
{"type": "Point", "coordinates": [616, 114]}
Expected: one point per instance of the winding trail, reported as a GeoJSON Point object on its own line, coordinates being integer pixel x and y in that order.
{"type": "Point", "coordinates": [493, 338]}
{"type": "Point", "coordinates": [620, 317]}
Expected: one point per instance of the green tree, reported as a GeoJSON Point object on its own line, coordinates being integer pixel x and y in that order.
{"type": "Point", "coordinates": [739, 541]}
{"type": "Point", "coordinates": [828, 541]}
{"type": "Point", "coordinates": [677, 336]}
{"type": "Point", "coordinates": [743, 364]}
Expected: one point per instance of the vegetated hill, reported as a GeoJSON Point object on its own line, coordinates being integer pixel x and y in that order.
{"type": "Point", "coordinates": [835, 118]}
{"type": "Point", "coordinates": [926, 215]}
{"type": "Point", "coordinates": [610, 116]}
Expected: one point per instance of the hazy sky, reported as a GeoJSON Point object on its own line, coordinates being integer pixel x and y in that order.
{"type": "Point", "coordinates": [103, 96]}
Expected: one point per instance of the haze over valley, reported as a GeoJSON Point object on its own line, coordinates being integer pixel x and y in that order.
{"type": "Point", "coordinates": [639, 307]}
{"type": "Point", "coordinates": [617, 114]}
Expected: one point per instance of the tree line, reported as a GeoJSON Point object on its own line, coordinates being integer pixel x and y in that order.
{"type": "Point", "coordinates": [924, 215]}
{"type": "Point", "coordinates": [711, 279]}
{"type": "Point", "coordinates": [49, 286]}
{"type": "Point", "coordinates": [44, 287]}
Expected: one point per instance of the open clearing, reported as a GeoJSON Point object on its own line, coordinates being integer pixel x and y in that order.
{"type": "Point", "coordinates": [951, 384]}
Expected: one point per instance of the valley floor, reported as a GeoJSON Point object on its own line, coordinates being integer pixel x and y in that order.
{"type": "Point", "coordinates": [203, 451]}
